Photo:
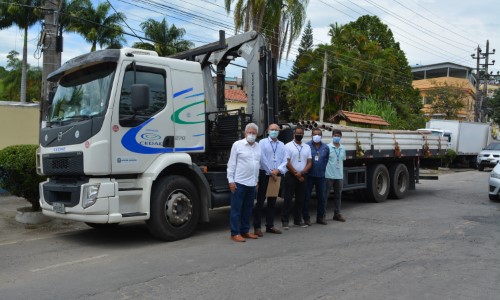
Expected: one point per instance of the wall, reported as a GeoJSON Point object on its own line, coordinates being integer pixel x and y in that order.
{"type": "Point", "coordinates": [19, 123]}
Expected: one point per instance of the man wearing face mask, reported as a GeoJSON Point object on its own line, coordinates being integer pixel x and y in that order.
{"type": "Point", "coordinates": [298, 157]}
{"type": "Point", "coordinates": [335, 173]}
{"type": "Point", "coordinates": [272, 166]}
{"type": "Point", "coordinates": [316, 178]}
{"type": "Point", "coordinates": [243, 176]}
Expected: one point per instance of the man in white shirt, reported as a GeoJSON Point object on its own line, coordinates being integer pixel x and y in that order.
{"type": "Point", "coordinates": [272, 167]}
{"type": "Point", "coordinates": [243, 175]}
{"type": "Point", "coordinates": [299, 162]}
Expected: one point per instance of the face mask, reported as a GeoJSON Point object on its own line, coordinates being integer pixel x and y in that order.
{"type": "Point", "coordinates": [298, 137]}
{"type": "Point", "coordinates": [273, 134]}
{"type": "Point", "coordinates": [251, 138]}
{"type": "Point", "coordinates": [336, 139]}
{"type": "Point", "coordinates": [317, 138]}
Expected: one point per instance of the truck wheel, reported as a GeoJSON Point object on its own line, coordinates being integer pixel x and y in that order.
{"type": "Point", "coordinates": [400, 181]}
{"type": "Point", "coordinates": [480, 167]}
{"type": "Point", "coordinates": [378, 183]}
{"type": "Point", "coordinates": [175, 208]}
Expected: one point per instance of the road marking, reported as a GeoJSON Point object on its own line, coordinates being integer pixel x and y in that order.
{"type": "Point", "coordinates": [69, 263]}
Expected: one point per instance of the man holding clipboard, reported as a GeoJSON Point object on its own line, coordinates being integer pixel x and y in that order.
{"type": "Point", "coordinates": [272, 167]}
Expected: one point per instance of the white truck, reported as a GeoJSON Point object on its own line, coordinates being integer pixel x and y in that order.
{"type": "Point", "coordinates": [467, 139]}
{"type": "Point", "coordinates": [131, 136]}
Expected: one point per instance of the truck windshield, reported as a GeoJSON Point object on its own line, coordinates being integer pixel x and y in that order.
{"type": "Point", "coordinates": [82, 95]}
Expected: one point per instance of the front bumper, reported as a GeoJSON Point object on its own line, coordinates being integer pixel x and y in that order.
{"type": "Point", "coordinates": [494, 186]}
{"type": "Point", "coordinates": [68, 196]}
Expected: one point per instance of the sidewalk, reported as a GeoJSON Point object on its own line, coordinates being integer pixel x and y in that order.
{"type": "Point", "coordinates": [12, 231]}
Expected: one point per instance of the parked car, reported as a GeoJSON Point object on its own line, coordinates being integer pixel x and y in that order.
{"type": "Point", "coordinates": [494, 187]}
{"type": "Point", "coordinates": [489, 157]}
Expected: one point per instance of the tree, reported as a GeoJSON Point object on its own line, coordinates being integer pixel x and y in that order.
{"type": "Point", "coordinates": [493, 107]}
{"type": "Point", "coordinates": [306, 46]}
{"type": "Point", "coordinates": [363, 61]}
{"type": "Point", "coordinates": [11, 79]}
{"type": "Point", "coordinates": [280, 21]}
{"type": "Point", "coordinates": [166, 40]}
{"type": "Point", "coordinates": [96, 25]}
{"type": "Point", "coordinates": [24, 14]}
{"type": "Point", "coordinates": [447, 99]}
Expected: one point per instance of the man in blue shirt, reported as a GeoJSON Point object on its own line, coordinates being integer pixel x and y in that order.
{"type": "Point", "coordinates": [335, 173]}
{"type": "Point", "coordinates": [316, 178]}
{"type": "Point", "coordinates": [272, 166]}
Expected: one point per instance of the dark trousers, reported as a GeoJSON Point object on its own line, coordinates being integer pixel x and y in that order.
{"type": "Point", "coordinates": [259, 205]}
{"type": "Point", "coordinates": [319, 183]}
{"type": "Point", "coordinates": [337, 193]}
{"type": "Point", "coordinates": [293, 188]}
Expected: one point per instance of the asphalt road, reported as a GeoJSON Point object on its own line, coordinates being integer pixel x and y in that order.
{"type": "Point", "coordinates": [440, 242]}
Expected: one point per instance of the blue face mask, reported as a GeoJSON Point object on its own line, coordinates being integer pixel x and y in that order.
{"type": "Point", "coordinates": [336, 139]}
{"type": "Point", "coordinates": [273, 134]}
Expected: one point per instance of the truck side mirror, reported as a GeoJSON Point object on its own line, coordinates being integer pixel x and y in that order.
{"type": "Point", "coordinates": [140, 96]}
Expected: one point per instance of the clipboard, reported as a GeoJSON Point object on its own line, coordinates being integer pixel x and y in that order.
{"type": "Point", "coordinates": [273, 187]}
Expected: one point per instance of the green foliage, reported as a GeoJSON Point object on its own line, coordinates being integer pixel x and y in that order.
{"type": "Point", "coordinates": [447, 99]}
{"type": "Point", "coordinates": [493, 107]}
{"type": "Point", "coordinates": [96, 24]}
{"type": "Point", "coordinates": [18, 173]}
{"type": "Point", "coordinates": [167, 40]}
{"type": "Point", "coordinates": [306, 46]}
{"type": "Point", "coordinates": [371, 106]}
{"type": "Point", "coordinates": [280, 21]}
{"type": "Point", "coordinates": [449, 157]}
{"type": "Point", "coordinates": [363, 61]}
{"type": "Point", "coordinates": [10, 86]}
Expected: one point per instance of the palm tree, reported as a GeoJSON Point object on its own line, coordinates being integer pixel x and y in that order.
{"type": "Point", "coordinates": [24, 14]}
{"type": "Point", "coordinates": [280, 21]}
{"type": "Point", "coordinates": [166, 40]}
{"type": "Point", "coordinates": [96, 25]}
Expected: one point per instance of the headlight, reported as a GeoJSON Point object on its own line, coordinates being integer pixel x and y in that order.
{"type": "Point", "coordinates": [494, 175]}
{"type": "Point", "coordinates": [90, 195]}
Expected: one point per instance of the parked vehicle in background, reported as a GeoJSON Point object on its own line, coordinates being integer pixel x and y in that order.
{"type": "Point", "coordinates": [494, 186]}
{"type": "Point", "coordinates": [489, 157]}
{"type": "Point", "coordinates": [467, 139]}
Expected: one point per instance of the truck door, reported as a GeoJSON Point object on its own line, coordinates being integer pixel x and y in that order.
{"type": "Point", "coordinates": [138, 137]}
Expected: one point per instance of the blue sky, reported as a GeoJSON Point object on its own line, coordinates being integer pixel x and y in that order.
{"type": "Point", "coordinates": [429, 31]}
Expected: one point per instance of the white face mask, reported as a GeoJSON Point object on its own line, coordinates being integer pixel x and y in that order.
{"type": "Point", "coordinates": [317, 138]}
{"type": "Point", "coordinates": [251, 138]}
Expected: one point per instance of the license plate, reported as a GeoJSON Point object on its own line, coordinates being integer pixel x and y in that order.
{"type": "Point", "coordinates": [58, 208]}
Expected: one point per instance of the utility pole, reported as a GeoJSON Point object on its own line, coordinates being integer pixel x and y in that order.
{"type": "Point", "coordinates": [323, 89]}
{"type": "Point", "coordinates": [51, 44]}
{"type": "Point", "coordinates": [478, 91]}
{"type": "Point", "coordinates": [486, 77]}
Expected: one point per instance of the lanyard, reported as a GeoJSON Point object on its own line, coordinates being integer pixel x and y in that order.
{"type": "Point", "coordinates": [296, 146]}
{"type": "Point", "coordinates": [273, 148]}
{"type": "Point", "coordinates": [337, 153]}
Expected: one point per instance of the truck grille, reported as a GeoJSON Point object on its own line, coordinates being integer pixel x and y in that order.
{"type": "Point", "coordinates": [62, 164]}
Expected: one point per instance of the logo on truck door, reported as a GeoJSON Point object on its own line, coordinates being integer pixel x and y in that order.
{"type": "Point", "coordinates": [188, 114]}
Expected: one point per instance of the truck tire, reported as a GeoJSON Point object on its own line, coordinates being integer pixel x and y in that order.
{"type": "Point", "coordinates": [400, 181]}
{"type": "Point", "coordinates": [378, 183]}
{"type": "Point", "coordinates": [175, 208]}
{"type": "Point", "coordinates": [480, 168]}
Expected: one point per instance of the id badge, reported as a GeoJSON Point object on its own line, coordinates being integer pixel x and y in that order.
{"type": "Point", "coordinates": [316, 157]}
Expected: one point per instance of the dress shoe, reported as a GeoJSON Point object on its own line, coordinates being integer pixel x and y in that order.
{"type": "Point", "coordinates": [307, 222]}
{"type": "Point", "coordinates": [321, 221]}
{"type": "Point", "coordinates": [300, 224]}
{"type": "Point", "coordinates": [273, 230]}
{"type": "Point", "coordinates": [258, 232]}
{"type": "Point", "coordinates": [237, 238]}
{"type": "Point", "coordinates": [285, 225]}
{"type": "Point", "coordinates": [249, 235]}
{"type": "Point", "coordinates": [339, 218]}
